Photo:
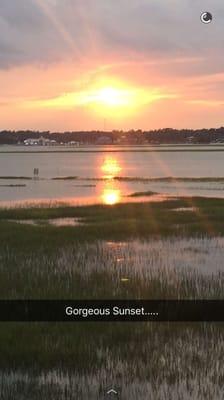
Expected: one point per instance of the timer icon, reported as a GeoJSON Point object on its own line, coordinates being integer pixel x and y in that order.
{"type": "Point", "coordinates": [206, 17]}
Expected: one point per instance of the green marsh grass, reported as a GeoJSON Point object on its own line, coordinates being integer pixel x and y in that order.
{"type": "Point", "coordinates": [165, 254]}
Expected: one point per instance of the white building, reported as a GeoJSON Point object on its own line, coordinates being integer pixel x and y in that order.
{"type": "Point", "coordinates": [39, 142]}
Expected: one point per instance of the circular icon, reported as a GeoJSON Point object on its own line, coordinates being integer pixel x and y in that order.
{"type": "Point", "coordinates": [206, 17]}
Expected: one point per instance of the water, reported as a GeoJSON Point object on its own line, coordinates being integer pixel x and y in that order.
{"type": "Point", "coordinates": [44, 222]}
{"type": "Point", "coordinates": [95, 168]}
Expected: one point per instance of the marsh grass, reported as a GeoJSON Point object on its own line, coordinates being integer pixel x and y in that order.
{"type": "Point", "coordinates": [162, 252]}
{"type": "Point", "coordinates": [147, 360]}
{"type": "Point", "coordinates": [9, 177]}
{"type": "Point", "coordinates": [118, 222]}
{"type": "Point", "coordinates": [142, 194]}
{"type": "Point", "coordinates": [164, 268]}
{"type": "Point", "coordinates": [208, 179]}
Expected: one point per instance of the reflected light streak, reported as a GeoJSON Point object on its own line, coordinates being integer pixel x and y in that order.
{"type": "Point", "coordinates": [111, 196]}
{"type": "Point", "coordinates": [110, 167]}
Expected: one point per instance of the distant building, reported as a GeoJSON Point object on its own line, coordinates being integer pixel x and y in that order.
{"type": "Point", "coordinates": [40, 142]}
{"type": "Point", "coordinates": [104, 140]}
{"type": "Point", "coordinates": [73, 143]}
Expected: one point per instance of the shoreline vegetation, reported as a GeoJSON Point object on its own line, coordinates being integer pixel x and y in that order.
{"type": "Point", "coordinates": [25, 230]}
{"type": "Point", "coordinates": [147, 193]}
{"type": "Point", "coordinates": [97, 149]}
{"type": "Point", "coordinates": [34, 239]}
{"type": "Point", "coordinates": [206, 206]}
{"type": "Point", "coordinates": [219, 179]}
{"type": "Point", "coordinates": [134, 137]}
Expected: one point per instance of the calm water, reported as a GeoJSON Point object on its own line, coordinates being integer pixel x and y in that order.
{"type": "Point", "coordinates": [95, 167]}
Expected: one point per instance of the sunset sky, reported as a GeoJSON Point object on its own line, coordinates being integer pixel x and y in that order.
{"type": "Point", "coordinates": [119, 64]}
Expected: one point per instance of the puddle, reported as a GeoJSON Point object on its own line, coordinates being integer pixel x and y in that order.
{"type": "Point", "coordinates": [54, 222]}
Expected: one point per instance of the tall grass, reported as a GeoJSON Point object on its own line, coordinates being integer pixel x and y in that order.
{"type": "Point", "coordinates": [148, 361]}
{"type": "Point", "coordinates": [159, 361]}
{"type": "Point", "coordinates": [164, 268]}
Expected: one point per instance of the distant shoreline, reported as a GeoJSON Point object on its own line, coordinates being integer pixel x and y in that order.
{"type": "Point", "coordinates": [115, 148]}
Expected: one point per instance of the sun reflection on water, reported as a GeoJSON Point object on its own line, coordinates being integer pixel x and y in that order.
{"type": "Point", "coordinates": [110, 167]}
{"type": "Point", "coordinates": [111, 196]}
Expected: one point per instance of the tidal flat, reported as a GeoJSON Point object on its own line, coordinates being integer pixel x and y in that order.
{"type": "Point", "coordinates": [140, 250]}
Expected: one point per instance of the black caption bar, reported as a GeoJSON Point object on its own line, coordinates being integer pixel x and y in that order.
{"type": "Point", "coordinates": [111, 310]}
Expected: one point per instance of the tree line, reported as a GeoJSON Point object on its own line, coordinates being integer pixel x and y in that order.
{"type": "Point", "coordinates": [159, 136]}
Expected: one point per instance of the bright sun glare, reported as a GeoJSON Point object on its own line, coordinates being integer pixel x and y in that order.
{"type": "Point", "coordinates": [110, 96]}
{"type": "Point", "coordinates": [111, 196]}
{"type": "Point", "coordinates": [104, 98]}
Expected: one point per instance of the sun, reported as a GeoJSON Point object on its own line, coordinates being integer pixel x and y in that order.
{"type": "Point", "coordinates": [108, 96]}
